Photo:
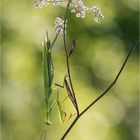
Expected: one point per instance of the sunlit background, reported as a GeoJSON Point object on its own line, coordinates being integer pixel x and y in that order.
{"type": "Point", "coordinates": [100, 52]}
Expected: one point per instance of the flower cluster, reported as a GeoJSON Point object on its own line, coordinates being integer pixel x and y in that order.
{"type": "Point", "coordinates": [41, 3]}
{"type": "Point", "coordinates": [77, 7]}
{"type": "Point", "coordinates": [59, 25]}
{"type": "Point", "coordinates": [97, 13]}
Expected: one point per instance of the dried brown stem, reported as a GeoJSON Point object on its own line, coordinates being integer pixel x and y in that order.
{"type": "Point", "coordinates": [79, 114]}
{"type": "Point", "coordinates": [67, 57]}
{"type": "Point", "coordinates": [103, 94]}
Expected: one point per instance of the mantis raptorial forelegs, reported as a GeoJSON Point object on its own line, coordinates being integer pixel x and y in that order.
{"type": "Point", "coordinates": [63, 85]}
{"type": "Point", "coordinates": [69, 91]}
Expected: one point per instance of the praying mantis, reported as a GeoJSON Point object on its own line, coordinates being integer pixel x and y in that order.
{"type": "Point", "coordinates": [48, 86]}
{"type": "Point", "coordinates": [48, 77]}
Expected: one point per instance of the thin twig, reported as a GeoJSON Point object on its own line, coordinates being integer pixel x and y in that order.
{"type": "Point", "coordinates": [103, 94]}
{"type": "Point", "coordinates": [55, 39]}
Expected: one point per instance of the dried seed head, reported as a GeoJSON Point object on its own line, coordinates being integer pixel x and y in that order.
{"type": "Point", "coordinates": [72, 48]}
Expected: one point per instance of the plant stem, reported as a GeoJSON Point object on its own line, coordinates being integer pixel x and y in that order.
{"type": "Point", "coordinates": [103, 94]}
{"type": "Point", "coordinates": [67, 59]}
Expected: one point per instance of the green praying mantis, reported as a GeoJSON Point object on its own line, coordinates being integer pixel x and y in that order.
{"type": "Point", "coordinates": [48, 86]}
{"type": "Point", "coordinates": [48, 78]}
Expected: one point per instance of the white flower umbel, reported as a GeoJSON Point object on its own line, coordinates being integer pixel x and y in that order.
{"type": "Point", "coordinates": [41, 3]}
{"type": "Point", "coordinates": [79, 8]}
{"type": "Point", "coordinates": [97, 13]}
{"type": "Point", "coordinates": [59, 25]}
{"type": "Point", "coordinates": [60, 2]}
{"type": "Point", "coordinates": [56, 2]}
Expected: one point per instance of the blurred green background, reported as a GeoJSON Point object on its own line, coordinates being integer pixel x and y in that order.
{"type": "Point", "coordinates": [101, 50]}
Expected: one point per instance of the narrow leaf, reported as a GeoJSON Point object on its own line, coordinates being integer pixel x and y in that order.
{"type": "Point", "coordinates": [72, 48]}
